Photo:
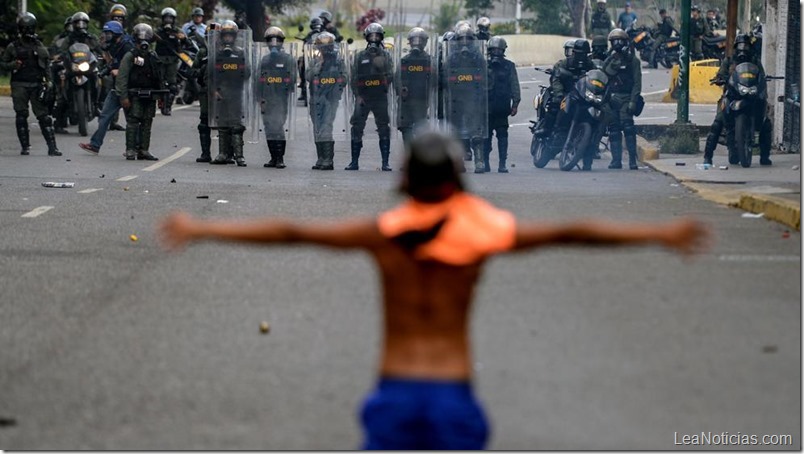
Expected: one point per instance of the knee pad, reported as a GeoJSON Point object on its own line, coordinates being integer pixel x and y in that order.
{"type": "Point", "coordinates": [45, 121]}
{"type": "Point", "coordinates": [203, 128]}
{"type": "Point", "coordinates": [22, 115]}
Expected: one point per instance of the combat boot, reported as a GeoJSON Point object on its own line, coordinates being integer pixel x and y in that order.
{"type": "Point", "coordinates": [24, 134]}
{"type": "Point", "coordinates": [480, 165]}
{"type": "Point", "coordinates": [237, 146]}
{"type": "Point", "coordinates": [467, 149]}
{"type": "Point", "coordinates": [385, 153]}
{"type": "Point", "coordinates": [46, 125]}
{"type": "Point", "coordinates": [356, 147]}
{"type": "Point", "coordinates": [502, 144]}
{"type": "Point", "coordinates": [224, 147]}
{"type": "Point", "coordinates": [145, 155]}
{"type": "Point", "coordinates": [319, 147]}
{"type": "Point", "coordinates": [272, 151]}
{"type": "Point", "coordinates": [487, 153]}
{"type": "Point", "coordinates": [709, 148]}
{"type": "Point", "coordinates": [616, 154]}
{"type": "Point", "coordinates": [631, 145]}
{"type": "Point", "coordinates": [205, 136]}
{"type": "Point", "coordinates": [130, 155]}
{"type": "Point", "coordinates": [281, 145]}
{"type": "Point", "coordinates": [328, 153]}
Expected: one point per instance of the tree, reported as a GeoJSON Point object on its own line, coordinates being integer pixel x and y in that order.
{"type": "Point", "coordinates": [552, 17]}
{"type": "Point", "coordinates": [255, 11]}
{"type": "Point", "coordinates": [477, 8]}
{"type": "Point", "coordinates": [577, 10]}
{"type": "Point", "coordinates": [446, 17]}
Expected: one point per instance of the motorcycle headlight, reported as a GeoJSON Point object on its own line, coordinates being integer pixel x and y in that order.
{"type": "Point", "coordinates": [83, 67]}
{"type": "Point", "coordinates": [589, 96]}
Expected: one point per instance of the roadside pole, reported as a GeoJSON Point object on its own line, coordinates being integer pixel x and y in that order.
{"type": "Point", "coordinates": [683, 135]}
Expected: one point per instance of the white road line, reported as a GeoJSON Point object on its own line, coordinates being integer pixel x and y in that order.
{"type": "Point", "coordinates": [182, 107]}
{"type": "Point", "coordinates": [655, 92]}
{"type": "Point", "coordinates": [173, 157]}
{"type": "Point", "coordinates": [37, 211]}
{"type": "Point", "coordinates": [650, 118]}
{"type": "Point", "coordinates": [760, 258]}
{"type": "Point", "coordinates": [90, 191]}
{"type": "Point", "coordinates": [127, 178]}
{"type": "Point", "coordinates": [533, 82]}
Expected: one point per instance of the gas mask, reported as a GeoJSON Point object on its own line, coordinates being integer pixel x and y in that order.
{"type": "Point", "coordinates": [144, 45]}
{"type": "Point", "coordinates": [275, 45]}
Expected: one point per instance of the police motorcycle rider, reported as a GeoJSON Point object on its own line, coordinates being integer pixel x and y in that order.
{"type": "Point", "coordinates": [226, 92]}
{"type": "Point", "coordinates": [664, 30]}
{"type": "Point", "coordinates": [27, 59]}
{"type": "Point", "coordinates": [743, 53]}
{"type": "Point", "coordinates": [601, 23]}
{"type": "Point", "coordinates": [326, 63]}
{"type": "Point", "coordinates": [625, 84]}
{"type": "Point", "coordinates": [600, 50]}
{"type": "Point", "coordinates": [372, 73]}
{"type": "Point", "coordinates": [316, 27]}
{"type": "Point", "coordinates": [56, 43]}
{"type": "Point", "coordinates": [483, 26]}
{"type": "Point", "coordinates": [698, 28]}
{"type": "Point", "coordinates": [170, 40]}
{"type": "Point", "coordinates": [413, 84]}
{"type": "Point", "coordinates": [139, 72]}
{"type": "Point", "coordinates": [199, 71]}
{"type": "Point", "coordinates": [118, 13]}
{"type": "Point", "coordinates": [503, 97]}
{"type": "Point", "coordinates": [277, 78]}
{"type": "Point", "coordinates": [79, 34]}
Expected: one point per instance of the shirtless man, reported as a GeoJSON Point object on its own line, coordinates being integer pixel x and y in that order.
{"type": "Point", "coordinates": [430, 252]}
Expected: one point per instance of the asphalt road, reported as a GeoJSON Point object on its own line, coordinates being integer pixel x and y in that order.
{"type": "Point", "coordinates": [111, 344]}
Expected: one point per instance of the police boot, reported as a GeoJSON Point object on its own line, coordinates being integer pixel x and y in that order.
{"type": "Point", "coordinates": [205, 136]}
{"type": "Point", "coordinates": [467, 149]}
{"type": "Point", "coordinates": [224, 147]}
{"type": "Point", "coordinates": [502, 144]}
{"type": "Point", "coordinates": [130, 155]}
{"type": "Point", "coordinates": [477, 149]}
{"type": "Point", "coordinates": [709, 148]}
{"type": "Point", "coordinates": [46, 125]}
{"type": "Point", "coordinates": [319, 147]}
{"type": "Point", "coordinates": [616, 154]}
{"type": "Point", "coordinates": [281, 145]}
{"type": "Point", "coordinates": [237, 146]}
{"type": "Point", "coordinates": [356, 147]}
{"type": "Point", "coordinates": [24, 134]}
{"type": "Point", "coordinates": [385, 153]}
{"type": "Point", "coordinates": [272, 152]}
{"type": "Point", "coordinates": [487, 153]}
{"type": "Point", "coordinates": [328, 154]}
{"type": "Point", "coordinates": [588, 158]}
{"type": "Point", "coordinates": [631, 145]}
{"type": "Point", "coordinates": [145, 155]}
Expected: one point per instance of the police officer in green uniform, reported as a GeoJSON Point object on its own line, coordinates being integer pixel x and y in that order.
{"type": "Point", "coordinates": [743, 53]}
{"type": "Point", "coordinates": [600, 49]}
{"type": "Point", "coordinates": [601, 20]}
{"type": "Point", "coordinates": [504, 98]}
{"type": "Point", "coordinates": [80, 34]}
{"type": "Point", "coordinates": [625, 84]}
{"type": "Point", "coordinates": [199, 71]}
{"type": "Point", "coordinates": [329, 26]}
{"type": "Point", "coordinates": [325, 63]}
{"type": "Point", "coordinates": [566, 72]}
{"type": "Point", "coordinates": [483, 26]}
{"type": "Point", "coordinates": [231, 74]}
{"type": "Point", "coordinates": [27, 59]}
{"type": "Point", "coordinates": [664, 30]}
{"type": "Point", "coordinates": [139, 71]}
{"type": "Point", "coordinates": [275, 93]}
{"type": "Point", "coordinates": [415, 78]}
{"type": "Point", "coordinates": [698, 28]}
{"type": "Point", "coordinates": [170, 41]}
{"type": "Point", "coordinates": [372, 73]}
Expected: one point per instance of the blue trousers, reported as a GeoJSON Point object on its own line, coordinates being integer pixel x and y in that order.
{"type": "Point", "coordinates": [110, 107]}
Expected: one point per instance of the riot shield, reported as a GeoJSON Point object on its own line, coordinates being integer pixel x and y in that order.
{"type": "Point", "coordinates": [326, 71]}
{"type": "Point", "coordinates": [415, 85]}
{"type": "Point", "coordinates": [228, 74]}
{"type": "Point", "coordinates": [274, 81]}
{"type": "Point", "coordinates": [466, 88]}
{"type": "Point", "coordinates": [371, 73]}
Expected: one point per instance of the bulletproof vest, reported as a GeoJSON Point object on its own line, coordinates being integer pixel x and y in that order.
{"type": "Point", "coordinates": [372, 81]}
{"type": "Point", "coordinates": [169, 42]}
{"type": "Point", "coordinates": [415, 71]}
{"type": "Point", "coordinates": [145, 76]}
{"type": "Point", "coordinates": [500, 92]}
{"type": "Point", "coordinates": [28, 53]}
{"type": "Point", "coordinates": [276, 74]}
{"type": "Point", "coordinates": [230, 64]}
{"type": "Point", "coordinates": [697, 26]}
{"type": "Point", "coordinates": [623, 79]}
{"type": "Point", "coordinates": [600, 19]}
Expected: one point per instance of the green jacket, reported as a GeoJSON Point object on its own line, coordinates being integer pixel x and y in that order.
{"type": "Point", "coordinates": [151, 71]}
{"type": "Point", "coordinates": [699, 27]}
{"type": "Point", "coordinates": [564, 76]}
{"type": "Point", "coordinates": [625, 74]}
{"type": "Point", "coordinates": [26, 75]}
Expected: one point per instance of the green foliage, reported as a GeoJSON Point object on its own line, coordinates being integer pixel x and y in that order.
{"type": "Point", "coordinates": [477, 8]}
{"type": "Point", "coordinates": [447, 15]}
{"type": "Point", "coordinates": [503, 28]}
{"type": "Point", "coordinates": [552, 17]}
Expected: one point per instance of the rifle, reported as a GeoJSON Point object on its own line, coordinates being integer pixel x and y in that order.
{"type": "Point", "coordinates": [148, 93]}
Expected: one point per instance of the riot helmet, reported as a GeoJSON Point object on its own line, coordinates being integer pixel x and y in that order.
{"type": "Point", "coordinates": [742, 48]}
{"type": "Point", "coordinates": [483, 24]}
{"type": "Point", "coordinates": [275, 37]}
{"type": "Point", "coordinates": [316, 24]}
{"type": "Point", "coordinates": [461, 23]}
{"type": "Point", "coordinates": [417, 38]}
{"type": "Point", "coordinates": [601, 5]}
{"type": "Point", "coordinates": [26, 25]}
{"type": "Point", "coordinates": [464, 33]}
{"type": "Point", "coordinates": [326, 17]}
{"type": "Point", "coordinates": [581, 48]}
{"type": "Point", "coordinates": [325, 42]}
{"type": "Point", "coordinates": [80, 22]}
{"type": "Point", "coordinates": [168, 16]}
{"type": "Point", "coordinates": [496, 47]}
{"type": "Point", "coordinates": [143, 34]}
{"type": "Point", "coordinates": [118, 13]}
{"type": "Point", "coordinates": [374, 34]}
{"type": "Point", "coordinates": [197, 12]}
{"type": "Point", "coordinates": [448, 36]}
{"type": "Point", "coordinates": [599, 45]}
{"type": "Point", "coordinates": [569, 45]}
{"type": "Point", "coordinates": [619, 40]}
{"type": "Point", "coordinates": [228, 32]}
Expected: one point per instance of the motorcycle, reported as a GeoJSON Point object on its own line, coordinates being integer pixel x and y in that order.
{"type": "Point", "coordinates": [542, 146]}
{"type": "Point", "coordinates": [582, 109]}
{"type": "Point", "coordinates": [714, 47]}
{"type": "Point", "coordinates": [642, 38]}
{"type": "Point", "coordinates": [667, 54]}
{"type": "Point", "coordinates": [81, 72]}
{"type": "Point", "coordinates": [188, 86]}
{"type": "Point", "coordinates": [744, 106]}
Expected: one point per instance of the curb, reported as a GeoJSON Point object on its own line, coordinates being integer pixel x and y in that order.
{"type": "Point", "coordinates": [777, 209]}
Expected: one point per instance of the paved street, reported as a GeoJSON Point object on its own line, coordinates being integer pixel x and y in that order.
{"type": "Point", "coordinates": [112, 344]}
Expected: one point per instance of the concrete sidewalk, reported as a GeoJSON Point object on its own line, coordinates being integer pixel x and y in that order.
{"type": "Point", "coordinates": [774, 191]}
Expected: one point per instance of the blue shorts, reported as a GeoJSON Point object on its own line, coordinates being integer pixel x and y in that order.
{"type": "Point", "coordinates": [403, 414]}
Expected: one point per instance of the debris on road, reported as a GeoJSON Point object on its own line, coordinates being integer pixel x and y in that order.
{"type": "Point", "coordinates": [753, 216]}
{"type": "Point", "coordinates": [723, 167]}
{"type": "Point", "coordinates": [202, 197]}
{"type": "Point", "coordinates": [770, 349]}
{"type": "Point", "coordinates": [222, 201]}
{"type": "Point", "coordinates": [786, 234]}
{"type": "Point", "coordinates": [681, 164]}
{"type": "Point", "coordinates": [795, 167]}
{"type": "Point", "coordinates": [265, 327]}
{"type": "Point", "coordinates": [173, 180]}
{"type": "Point", "coordinates": [133, 238]}
{"type": "Point", "coordinates": [7, 422]}
{"type": "Point", "coordinates": [703, 166]}
{"type": "Point", "coordinates": [125, 188]}
{"type": "Point", "coordinates": [103, 176]}
{"type": "Point", "coordinates": [53, 184]}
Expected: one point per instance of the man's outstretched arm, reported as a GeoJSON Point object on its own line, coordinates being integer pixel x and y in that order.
{"type": "Point", "coordinates": [685, 236]}
{"type": "Point", "coordinates": [179, 229]}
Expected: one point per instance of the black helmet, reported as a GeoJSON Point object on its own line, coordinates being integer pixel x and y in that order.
{"type": "Point", "coordinates": [198, 12]}
{"type": "Point", "coordinates": [581, 46]}
{"type": "Point", "coordinates": [465, 32]}
{"type": "Point", "coordinates": [497, 42]}
{"type": "Point", "coordinates": [316, 24]}
{"type": "Point", "coordinates": [26, 24]}
{"type": "Point", "coordinates": [274, 36]}
{"type": "Point", "coordinates": [80, 21]}
{"type": "Point", "coordinates": [619, 40]}
{"type": "Point", "coordinates": [168, 12]}
{"type": "Point", "coordinates": [374, 33]}
{"type": "Point", "coordinates": [742, 47]}
{"type": "Point", "coordinates": [417, 38]}
{"type": "Point", "coordinates": [696, 8]}
{"type": "Point", "coordinates": [326, 17]}
{"type": "Point", "coordinates": [569, 45]}
{"type": "Point", "coordinates": [143, 32]}
{"type": "Point", "coordinates": [600, 42]}
{"type": "Point", "coordinates": [118, 11]}
{"type": "Point", "coordinates": [448, 36]}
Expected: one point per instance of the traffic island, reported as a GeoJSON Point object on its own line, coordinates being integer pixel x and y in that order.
{"type": "Point", "coordinates": [681, 138]}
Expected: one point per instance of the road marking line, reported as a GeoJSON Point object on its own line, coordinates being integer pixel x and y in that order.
{"type": "Point", "coordinates": [127, 178]}
{"type": "Point", "coordinates": [533, 82]}
{"type": "Point", "coordinates": [650, 118]}
{"type": "Point", "coordinates": [90, 191]}
{"type": "Point", "coordinates": [760, 258]}
{"type": "Point", "coordinates": [173, 157]}
{"type": "Point", "coordinates": [37, 211]}
{"type": "Point", "coordinates": [655, 92]}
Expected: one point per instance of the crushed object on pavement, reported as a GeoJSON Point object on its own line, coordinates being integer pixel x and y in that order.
{"type": "Point", "coordinates": [723, 167]}
{"type": "Point", "coordinates": [265, 327]}
{"type": "Point", "coordinates": [222, 201]}
{"type": "Point", "coordinates": [53, 184]}
{"type": "Point", "coordinates": [753, 216]}
{"type": "Point", "coordinates": [681, 163]}
{"type": "Point", "coordinates": [202, 197]}
{"type": "Point", "coordinates": [173, 180]}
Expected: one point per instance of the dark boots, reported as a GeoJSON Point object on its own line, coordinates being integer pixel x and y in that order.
{"type": "Point", "coordinates": [631, 145]}
{"type": "Point", "coordinates": [224, 147]}
{"type": "Point", "coordinates": [327, 155]}
{"type": "Point", "coordinates": [477, 149]}
{"type": "Point", "coordinates": [46, 125]}
{"type": "Point", "coordinates": [356, 147]}
{"type": "Point", "coordinates": [205, 136]}
{"type": "Point", "coordinates": [277, 150]}
{"type": "Point", "coordinates": [467, 149]}
{"type": "Point", "coordinates": [616, 143]}
{"type": "Point", "coordinates": [24, 134]}
{"type": "Point", "coordinates": [709, 148]}
{"type": "Point", "coordinates": [237, 146]}
{"type": "Point", "coordinates": [319, 147]}
{"type": "Point", "coordinates": [502, 145]}
{"type": "Point", "coordinates": [487, 153]}
{"type": "Point", "coordinates": [385, 153]}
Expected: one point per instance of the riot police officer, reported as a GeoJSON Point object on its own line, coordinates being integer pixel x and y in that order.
{"type": "Point", "coordinates": [326, 74]}
{"type": "Point", "coordinates": [27, 59]}
{"type": "Point", "coordinates": [169, 41]}
{"type": "Point", "coordinates": [56, 43]}
{"type": "Point", "coordinates": [275, 93]}
{"type": "Point", "coordinates": [600, 49]}
{"type": "Point", "coordinates": [316, 27]}
{"type": "Point", "coordinates": [664, 30]}
{"type": "Point", "coordinates": [80, 34]}
{"type": "Point", "coordinates": [413, 83]}
{"type": "Point", "coordinates": [601, 21]}
{"type": "Point", "coordinates": [483, 26]}
{"type": "Point", "coordinates": [565, 73]}
{"type": "Point", "coordinates": [372, 74]}
{"type": "Point", "coordinates": [743, 53]}
{"type": "Point", "coordinates": [199, 71]}
{"type": "Point", "coordinates": [504, 98]}
{"type": "Point", "coordinates": [230, 74]}
{"type": "Point", "coordinates": [329, 26]}
{"type": "Point", "coordinates": [698, 28]}
{"type": "Point", "coordinates": [118, 13]}
{"type": "Point", "coordinates": [625, 84]}
{"type": "Point", "coordinates": [139, 73]}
